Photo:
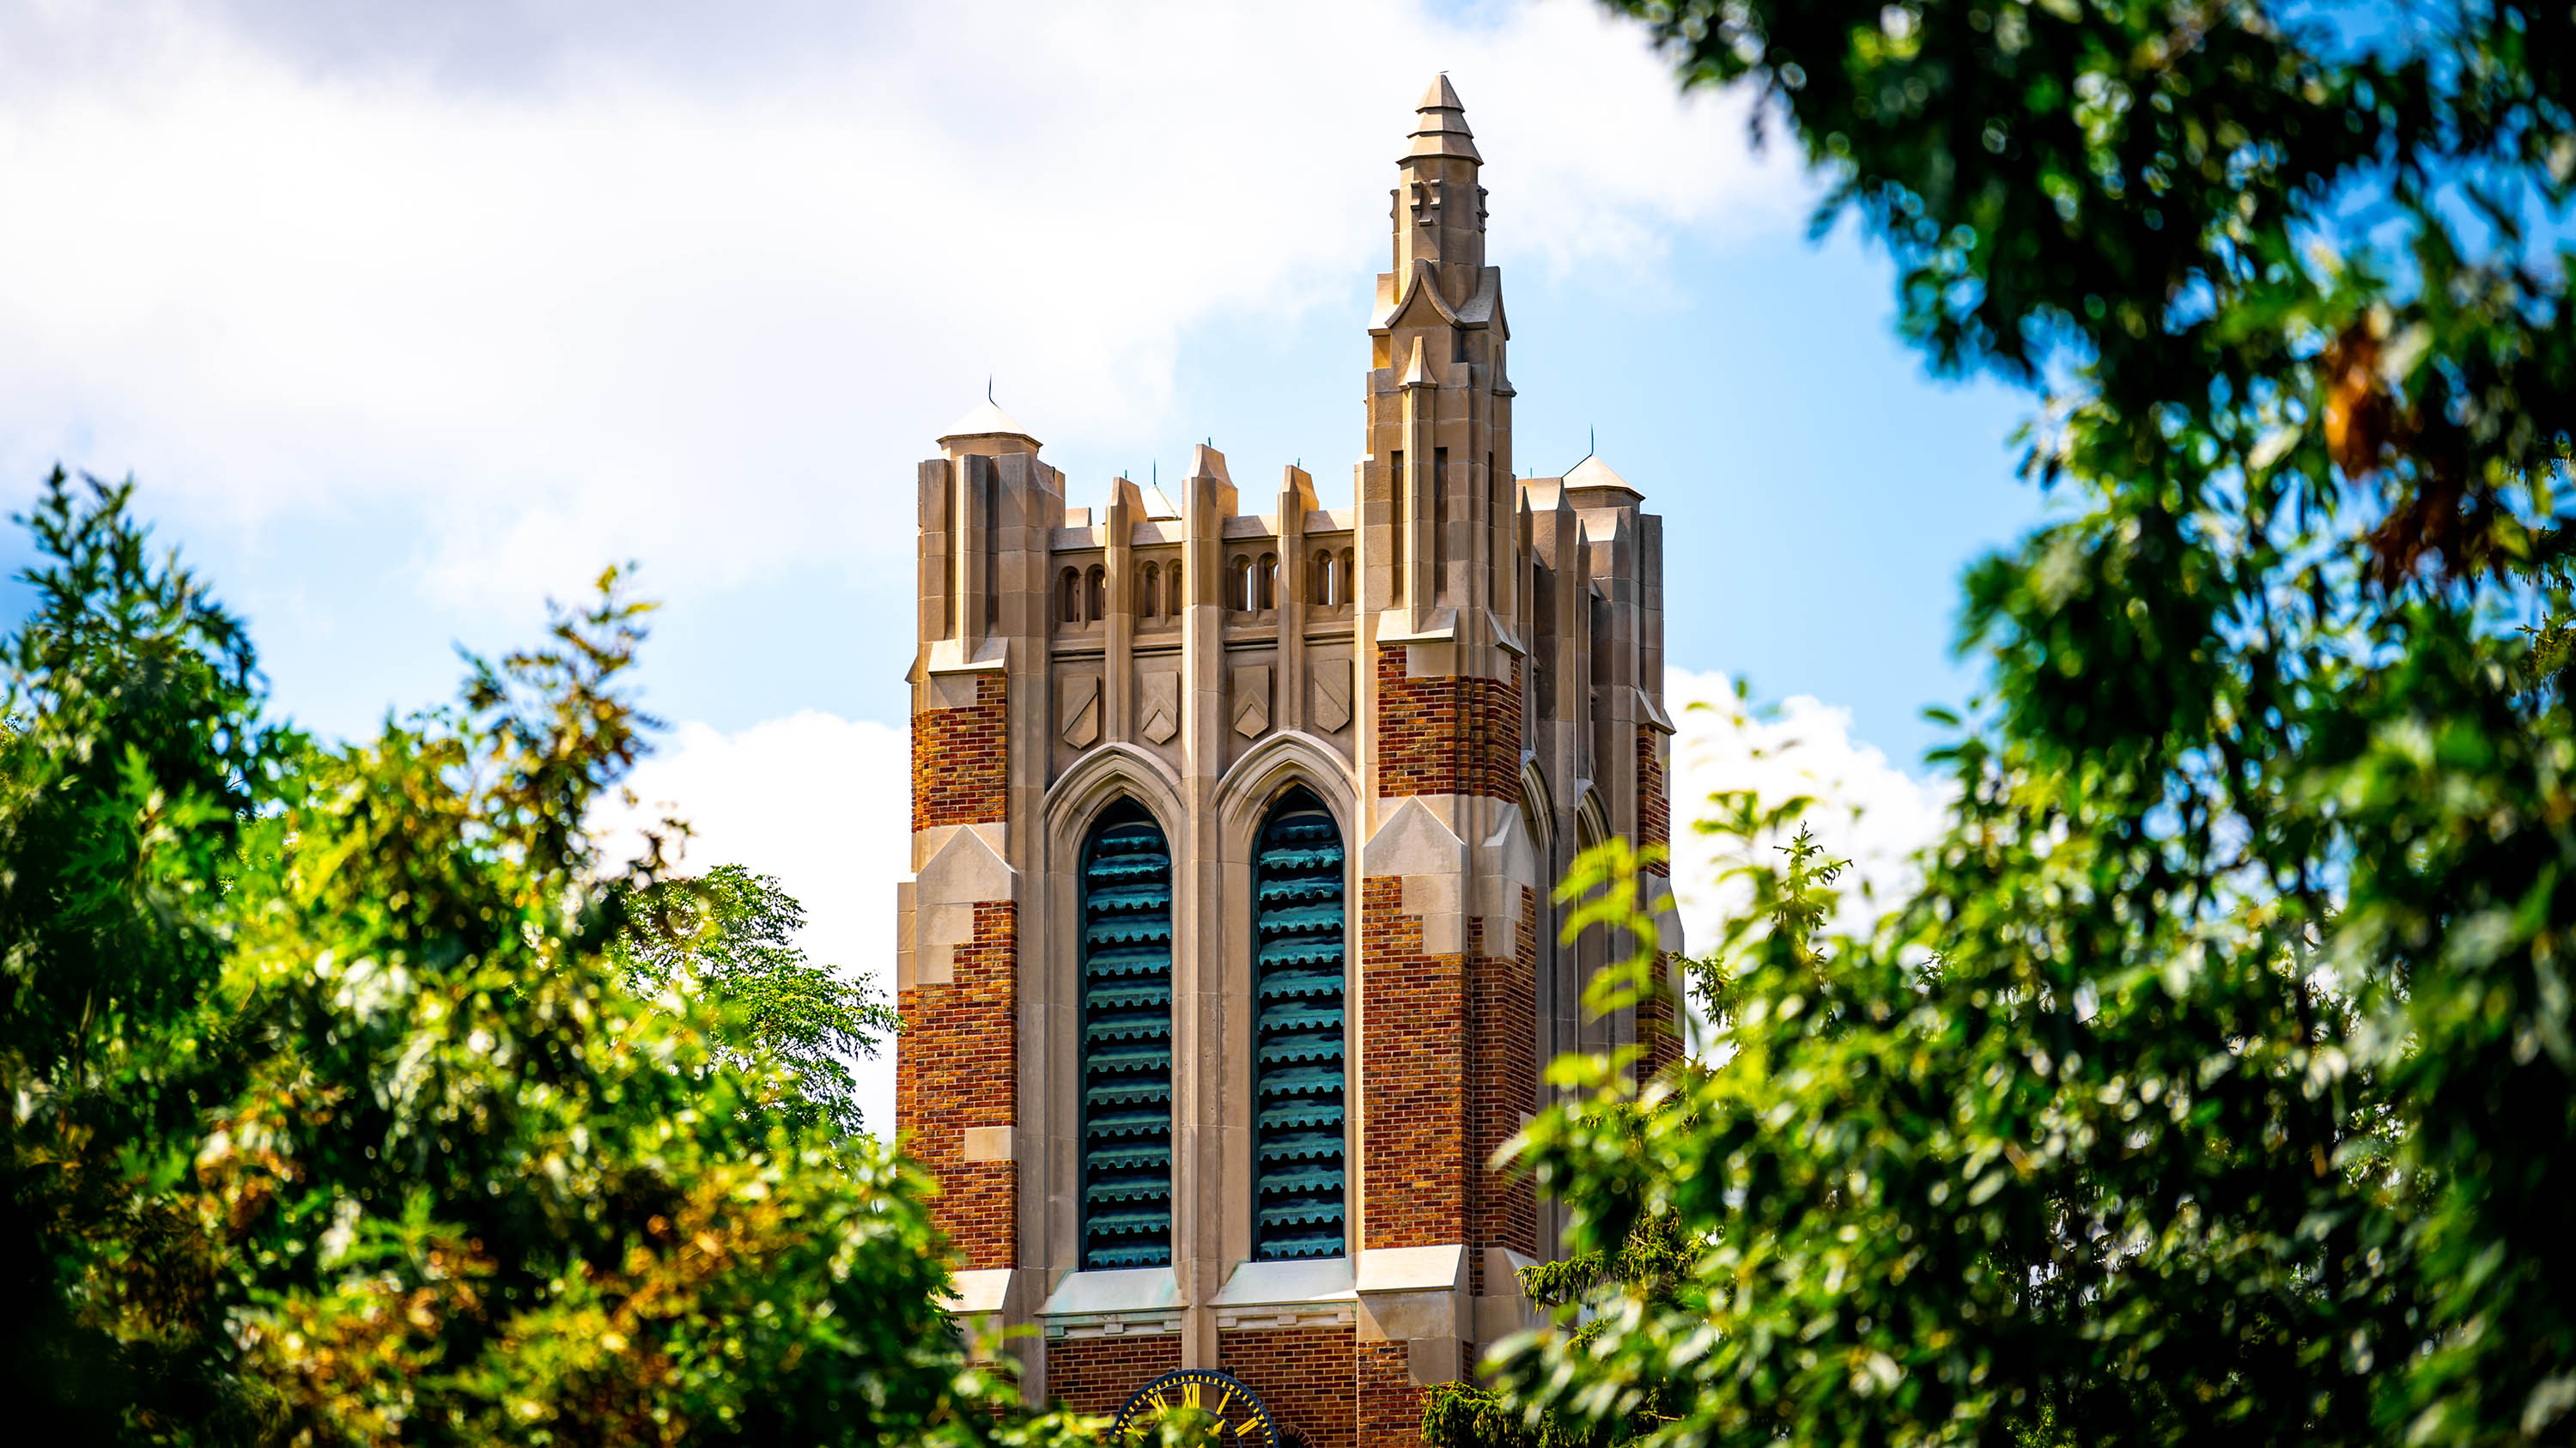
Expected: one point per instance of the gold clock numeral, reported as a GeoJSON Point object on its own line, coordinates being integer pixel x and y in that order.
{"type": "Point", "coordinates": [1190, 1395]}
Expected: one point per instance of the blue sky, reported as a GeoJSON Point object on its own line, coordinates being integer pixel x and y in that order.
{"type": "Point", "coordinates": [405, 326]}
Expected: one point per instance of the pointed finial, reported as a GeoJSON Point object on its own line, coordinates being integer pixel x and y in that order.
{"type": "Point", "coordinates": [1591, 439]}
{"type": "Point", "coordinates": [988, 387]}
{"type": "Point", "coordinates": [1440, 123]}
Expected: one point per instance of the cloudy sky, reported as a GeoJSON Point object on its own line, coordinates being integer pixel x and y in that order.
{"type": "Point", "coordinates": [407, 317]}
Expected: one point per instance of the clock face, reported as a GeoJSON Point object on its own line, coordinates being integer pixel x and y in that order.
{"type": "Point", "coordinates": [1223, 1406]}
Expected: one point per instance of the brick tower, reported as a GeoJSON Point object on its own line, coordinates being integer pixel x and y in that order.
{"type": "Point", "coordinates": [1229, 958]}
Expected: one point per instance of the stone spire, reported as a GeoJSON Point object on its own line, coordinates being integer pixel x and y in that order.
{"type": "Point", "coordinates": [1439, 207]}
{"type": "Point", "coordinates": [1441, 126]}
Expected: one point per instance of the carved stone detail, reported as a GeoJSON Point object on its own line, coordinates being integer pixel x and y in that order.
{"type": "Point", "coordinates": [1252, 700]}
{"type": "Point", "coordinates": [1332, 692]}
{"type": "Point", "coordinates": [1080, 714]}
{"type": "Point", "coordinates": [1159, 703]}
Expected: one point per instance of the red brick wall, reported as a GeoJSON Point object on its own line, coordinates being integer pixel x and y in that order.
{"type": "Point", "coordinates": [1413, 1058]}
{"type": "Point", "coordinates": [1659, 1017]}
{"type": "Point", "coordinates": [1305, 1376]}
{"type": "Point", "coordinates": [1503, 1089]}
{"type": "Point", "coordinates": [953, 1068]}
{"type": "Point", "coordinates": [1446, 735]}
{"type": "Point", "coordinates": [960, 765]}
{"type": "Point", "coordinates": [1390, 1405]}
{"type": "Point", "coordinates": [1654, 809]}
{"type": "Point", "coordinates": [1096, 1374]}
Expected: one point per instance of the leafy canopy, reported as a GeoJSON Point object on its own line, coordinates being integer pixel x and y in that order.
{"type": "Point", "coordinates": [333, 1116]}
{"type": "Point", "coordinates": [2216, 1085]}
{"type": "Point", "coordinates": [729, 939]}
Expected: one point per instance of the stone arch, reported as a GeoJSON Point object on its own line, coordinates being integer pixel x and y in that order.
{"type": "Point", "coordinates": [1095, 594]}
{"type": "Point", "coordinates": [1591, 820]}
{"type": "Point", "coordinates": [1240, 806]}
{"type": "Point", "coordinates": [1267, 770]}
{"type": "Point", "coordinates": [1538, 813]}
{"type": "Point", "coordinates": [1265, 582]}
{"type": "Point", "coordinates": [1149, 591]}
{"type": "Point", "coordinates": [1068, 606]}
{"type": "Point", "coordinates": [1050, 996]}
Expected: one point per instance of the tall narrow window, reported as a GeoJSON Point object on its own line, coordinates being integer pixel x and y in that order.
{"type": "Point", "coordinates": [1126, 1043]}
{"type": "Point", "coordinates": [1300, 1196]}
{"type": "Point", "coordinates": [1400, 545]}
{"type": "Point", "coordinates": [1069, 600]}
{"type": "Point", "coordinates": [1441, 549]}
{"type": "Point", "coordinates": [1172, 584]}
{"type": "Point", "coordinates": [1149, 592]}
{"type": "Point", "coordinates": [1096, 594]}
{"type": "Point", "coordinates": [1265, 578]}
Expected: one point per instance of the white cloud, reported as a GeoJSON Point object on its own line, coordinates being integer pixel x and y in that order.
{"type": "Point", "coordinates": [822, 803]}
{"type": "Point", "coordinates": [593, 300]}
{"type": "Point", "coordinates": [1866, 810]}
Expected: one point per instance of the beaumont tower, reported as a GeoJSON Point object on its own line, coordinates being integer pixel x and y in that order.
{"type": "Point", "coordinates": [1228, 959]}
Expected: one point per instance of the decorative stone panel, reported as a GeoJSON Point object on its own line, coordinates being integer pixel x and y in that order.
{"type": "Point", "coordinates": [1330, 683]}
{"type": "Point", "coordinates": [1078, 710]}
{"type": "Point", "coordinates": [1251, 690]}
{"type": "Point", "coordinates": [1158, 706]}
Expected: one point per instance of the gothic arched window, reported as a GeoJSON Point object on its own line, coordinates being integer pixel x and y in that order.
{"type": "Point", "coordinates": [1320, 584]}
{"type": "Point", "coordinates": [1126, 1042]}
{"type": "Point", "coordinates": [1096, 594]}
{"type": "Point", "coordinates": [1172, 585]}
{"type": "Point", "coordinates": [1265, 579]}
{"type": "Point", "coordinates": [1149, 591]}
{"type": "Point", "coordinates": [1069, 597]}
{"type": "Point", "coordinates": [1300, 1189]}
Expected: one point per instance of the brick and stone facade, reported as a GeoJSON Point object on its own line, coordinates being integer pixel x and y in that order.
{"type": "Point", "coordinates": [1463, 668]}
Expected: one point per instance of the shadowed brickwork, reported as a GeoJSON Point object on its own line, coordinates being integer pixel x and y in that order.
{"type": "Point", "coordinates": [1504, 1071]}
{"type": "Point", "coordinates": [954, 1070]}
{"type": "Point", "coordinates": [1446, 735]}
{"type": "Point", "coordinates": [1096, 1374]}
{"type": "Point", "coordinates": [960, 760]}
{"type": "Point", "coordinates": [1304, 1376]}
{"type": "Point", "coordinates": [1413, 1072]}
{"type": "Point", "coordinates": [1654, 810]}
{"type": "Point", "coordinates": [1390, 1406]}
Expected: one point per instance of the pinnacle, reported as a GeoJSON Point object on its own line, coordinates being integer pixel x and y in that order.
{"type": "Point", "coordinates": [1440, 124]}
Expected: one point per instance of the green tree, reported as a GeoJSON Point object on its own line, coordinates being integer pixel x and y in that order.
{"type": "Point", "coordinates": [728, 940]}
{"type": "Point", "coordinates": [332, 1120]}
{"type": "Point", "coordinates": [2216, 1084]}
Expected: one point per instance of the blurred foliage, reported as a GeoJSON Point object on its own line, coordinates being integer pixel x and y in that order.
{"type": "Point", "coordinates": [727, 941]}
{"type": "Point", "coordinates": [2215, 1087]}
{"type": "Point", "coordinates": [332, 1118]}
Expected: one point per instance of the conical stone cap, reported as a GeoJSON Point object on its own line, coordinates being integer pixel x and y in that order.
{"type": "Point", "coordinates": [1440, 124]}
{"type": "Point", "coordinates": [985, 420]}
